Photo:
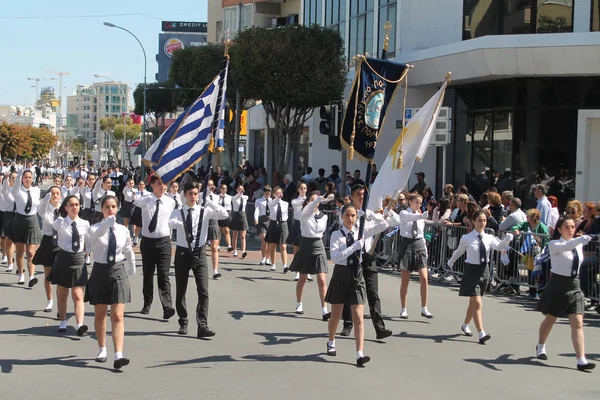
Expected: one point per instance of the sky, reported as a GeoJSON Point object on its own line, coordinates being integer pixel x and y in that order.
{"type": "Point", "coordinates": [69, 36]}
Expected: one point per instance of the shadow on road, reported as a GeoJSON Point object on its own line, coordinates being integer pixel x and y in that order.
{"type": "Point", "coordinates": [271, 313]}
{"type": "Point", "coordinates": [590, 356]}
{"type": "Point", "coordinates": [46, 331]}
{"type": "Point", "coordinates": [506, 360]}
{"type": "Point", "coordinates": [256, 357]}
{"type": "Point", "coordinates": [436, 338]}
{"type": "Point", "coordinates": [6, 365]}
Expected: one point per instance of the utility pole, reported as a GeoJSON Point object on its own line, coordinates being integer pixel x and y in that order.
{"type": "Point", "coordinates": [60, 102]}
{"type": "Point", "coordinates": [238, 102]}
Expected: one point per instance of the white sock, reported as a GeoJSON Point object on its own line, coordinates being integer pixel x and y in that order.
{"type": "Point", "coordinates": [268, 260]}
{"type": "Point", "coordinates": [582, 361]}
{"type": "Point", "coordinates": [324, 310]}
{"type": "Point", "coordinates": [101, 352]}
{"type": "Point", "coordinates": [403, 311]}
{"type": "Point", "coordinates": [10, 266]}
{"type": "Point", "coordinates": [284, 266]}
{"type": "Point", "coordinates": [63, 325]}
{"type": "Point", "coordinates": [216, 271]}
{"type": "Point", "coordinates": [541, 348]}
{"type": "Point", "coordinates": [466, 328]}
{"type": "Point", "coordinates": [331, 343]}
{"type": "Point", "coordinates": [425, 311]}
{"type": "Point", "coordinates": [359, 354]}
{"type": "Point", "coordinates": [31, 277]}
{"type": "Point", "coordinates": [264, 259]}
{"type": "Point", "coordinates": [298, 304]}
{"type": "Point", "coordinates": [481, 334]}
{"type": "Point", "coordinates": [79, 326]}
{"type": "Point", "coordinates": [118, 355]}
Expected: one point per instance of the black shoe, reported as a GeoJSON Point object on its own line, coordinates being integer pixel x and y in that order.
{"type": "Point", "coordinates": [346, 331]}
{"type": "Point", "coordinates": [485, 339]}
{"type": "Point", "coordinates": [168, 313]}
{"type": "Point", "coordinates": [182, 329]}
{"type": "Point", "coordinates": [541, 356]}
{"type": "Point", "coordinates": [362, 361]}
{"type": "Point", "coordinates": [62, 330]}
{"type": "Point", "coordinates": [326, 316]}
{"type": "Point", "coordinates": [81, 330]}
{"type": "Point", "coordinates": [586, 367]}
{"type": "Point", "coordinates": [465, 332]}
{"type": "Point", "coordinates": [57, 315]}
{"type": "Point", "coordinates": [229, 249]}
{"type": "Point", "coordinates": [384, 334]}
{"type": "Point", "coordinates": [101, 359]}
{"type": "Point", "coordinates": [430, 316]}
{"type": "Point", "coordinates": [32, 282]}
{"type": "Point", "coordinates": [120, 363]}
{"type": "Point", "coordinates": [331, 350]}
{"type": "Point", "coordinates": [286, 269]}
{"type": "Point", "coordinates": [145, 309]}
{"type": "Point", "coordinates": [217, 275]}
{"type": "Point", "coordinates": [261, 263]}
{"type": "Point", "coordinates": [244, 254]}
{"type": "Point", "coordinates": [204, 332]}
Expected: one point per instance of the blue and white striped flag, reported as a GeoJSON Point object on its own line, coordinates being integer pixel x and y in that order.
{"type": "Point", "coordinates": [185, 142]}
{"type": "Point", "coordinates": [528, 243]}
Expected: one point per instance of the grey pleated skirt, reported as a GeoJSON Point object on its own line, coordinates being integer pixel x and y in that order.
{"type": "Point", "coordinates": [310, 257]}
{"type": "Point", "coordinates": [108, 285]}
{"type": "Point", "coordinates": [213, 230]}
{"type": "Point", "coordinates": [7, 224]}
{"type": "Point", "coordinates": [562, 297]}
{"type": "Point", "coordinates": [224, 223]}
{"type": "Point", "coordinates": [136, 218]}
{"type": "Point", "coordinates": [295, 233]}
{"type": "Point", "coordinates": [69, 270]}
{"type": "Point", "coordinates": [277, 233]}
{"type": "Point", "coordinates": [127, 209]}
{"type": "Point", "coordinates": [263, 224]}
{"type": "Point", "coordinates": [475, 280]}
{"type": "Point", "coordinates": [26, 229]}
{"type": "Point", "coordinates": [344, 288]}
{"type": "Point", "coordinates": [46, 254]}
{"type": "Point", "coordinates": [412, 254]}
{"type": "Point", "coordinates": [238, 222]}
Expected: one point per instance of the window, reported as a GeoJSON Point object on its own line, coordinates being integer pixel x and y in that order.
{"type": "Point", "coordinates": [115, 99]}
{"type": "Point", "coordinates": [595, 19]}
{"type": "Point", "coordinates": [115, 90]}
{"type": "Point", "coordinates": [313, 12]}
{"type": "Point", "coordinates": [115, 109]}
{"type": "Point", "coordinates": [512, 17]}
{"type": "Point", "coordinates": [361, 28]}
{"type": "Point", "coordinates": [387, 12]}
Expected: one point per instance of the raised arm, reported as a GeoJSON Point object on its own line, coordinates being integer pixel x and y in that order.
{"type": "Point", "coordinates": [557, 247]}
{"type": "Point", "coordinates": [175, 220]}
{"type": "Point", "coordinates": [309, 209]}
{"type": "Point", "coordinates": [500, 245]}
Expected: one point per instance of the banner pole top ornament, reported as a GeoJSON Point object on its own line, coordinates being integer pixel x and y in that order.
{"type": "Point", "coordinates": [386, 41]}
{"type": "Point", "coordinates": [227, 45]}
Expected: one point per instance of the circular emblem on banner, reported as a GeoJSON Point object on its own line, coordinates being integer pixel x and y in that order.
{"type": "Point", "coordinates": [172, 45]}
{"type": "Point", "coordinates": [374, 104]}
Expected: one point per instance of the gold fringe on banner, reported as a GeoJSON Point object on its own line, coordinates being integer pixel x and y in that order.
{"type": "Point", "coordinates": [220, 149]}
{"type": "Point", "coordinates": [359, 60]}
{"type": "Point", "coordinates": [211, 145]}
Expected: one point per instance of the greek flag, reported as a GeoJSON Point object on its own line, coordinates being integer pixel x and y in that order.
{"type": "Point", "coordinates": [528, 244]}
{"type": "Point", "coordinates": [195, 133]}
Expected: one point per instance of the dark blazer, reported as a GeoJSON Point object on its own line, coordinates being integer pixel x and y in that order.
{"type": "Point", "coordinates": [289, 193]}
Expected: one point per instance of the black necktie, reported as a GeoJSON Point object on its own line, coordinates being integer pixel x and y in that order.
{"type": "Point", "coordinates": [268, 211]}
{"type": "Point", "coordinates": [54, 232]}
{"type": "Point", "coordinates": [279, 216]}
{"type": "Point", "coordinates": [223, 201]}
{"type": "Point", "coordinates": [68, 192]}
{"type": "Point", "coordinates": [176, 202]}
{"type": "Point", "coordinates": [154, 220]}
{"type": "Point", "coordinates": [241, 209]}
{"type": "Point", "coordinates": [415, 229]}
{"type": "Point", "coordinates": [575, 267]}
{"type": "Point", "coordinates": [482, 251]}
{"type": "Point", "coordinates": [189, 225]}
{"type": "Point", "coordinates": [319, 216]}
{"type": "Point", "coordinates": [112, 247]}
{"type": "Point", "coordinates": [28, 204]}
{"type": "Point", "coordinates": [352, 259]}
{"type": "Point", "coordinates": [75, 237]}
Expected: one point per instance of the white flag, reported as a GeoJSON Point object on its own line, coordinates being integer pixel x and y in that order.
{"type": "Point", "coordinates": [415, 140]}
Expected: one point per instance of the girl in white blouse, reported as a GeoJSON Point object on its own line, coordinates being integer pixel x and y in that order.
{"type": "Point", "coordinates": [126, 211]}
{"type": "Point", "coordinates": [478, 245]}
{"type": "Point", "coordinates": [224, 201]}
{"type": "Point", "coordinates": [295, 231]}
{"type": "Point", "coordinates": [68, 187]}
{"type": "Point", "coordinates": [239, 222]}
{"type": "Point", "coordinates": [261, 221]}
{"type": "Point", "coordinates": [101, 190]}
{"type": "Point", "coordinates": [136, 218]}
{"type": "Point", "coordinates": [69, 270]}
{"type": "Point", "coordinates": [114, 263]}
{"type": "Point", "coordinates": [563, 297]}
{"type": "Point", "coordinates": [7, 221]}
{"type": "Point", "coordinates": [277, 232]}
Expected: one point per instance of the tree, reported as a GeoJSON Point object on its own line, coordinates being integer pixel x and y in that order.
{"type": "Point", "coordinates": [196, 67]}
{"type": "Point", "coordinates": [133, 133]}
{"type": "Point", "coordinates": [14, 140]}
{"type": "Point", "coordinates": [42, 141]}
{"type": "Point", "coordinates": [292, 70]}
{"type": "Point", "coordinates": [114, 127]}
{"type": "Point", "coordinates": [161, 99]}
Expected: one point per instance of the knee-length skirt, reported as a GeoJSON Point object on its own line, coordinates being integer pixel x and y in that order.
{"type": "Point", "coordinates": [127, 209]}
{"type": "Point", "coordinates": [26, 229]}
{"type": "Point", "coordinates": [108, 285]}
{"type": "Point", "coordinates": [213, 230]}
{"type": "Point", "coordinates": [277, 233]}
{"type": "Point", "coordinates": [7, 224]}
{"type": "Point", "coordinates": [46, 253]}
{"type": "Point", "coordinates": [412, 254]}
{"type": "Point", "coordinates": [238, 222]}
{"type": "Point", "coordinates": [224, 223]}
{"type": "Point", "coordinates": [136, 218]}
{"type": "Point", "coordinates": [475, 280]}
{"type": "Point", "coordinates": [310, 257]}
{"type": "Point", "coordinates": [69, 270]}
{"type": "Point", "coordinates": [295, 234]}
{"type": "Point", "coordinates": [88, 215]}
{"type": "Point", "coordinates": [345, 288]}
{"type": "Point", "coordinates": [562, 297]}
{"type": "Point", "coordinates": [263, 224]}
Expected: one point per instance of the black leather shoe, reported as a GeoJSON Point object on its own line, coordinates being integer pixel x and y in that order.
{"type": "Point", "coordinates": [62, 330]}
{"type": "Point", "coordinates": [101, 359]}
{"type": "Point", "coordinates": [204, 332]}
{"type": "Point", "coordinates": [244, 254]}
{"type": "Point", "coordinates": [120, 363]}
{"type": "Point", "coordinates": [182, 329]}
{"type": "Point", "coordinates": [362, 361]}
{"type": "Point", "coordinates": [81, 330]}
{"type": "Point", "coordinates": [229, 249]}
{"type": "Point", "coordinates": [586, 367]}
{"type": "Point", "coordinates": [32, 282]}
{"type": "Point", "coordinates": [326, 316]}
{"type": "Point", "coordinates": [485, 339]}
{"type": "Point", "coordinates": [331, 350]}
{"type": "Point", "coordinates": [430, 316]}
{"type": "Point", "coordinates": [384, 334]}
{"type": "Point", "coordinates": [346, 331]}
{"type": "Point", "coordinates": [145, 309]}
{"type": "Point", "coordinates": [168, 313]}
{"type": "Point", "coordinates": [465, 332]}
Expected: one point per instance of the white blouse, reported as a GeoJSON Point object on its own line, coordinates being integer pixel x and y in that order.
{"type": "Point", "coordinates": [69, 191]}
{"type": "Point", "coordinates": [297, 206]}
{"type": "Point", "coordinates": [46, 212]}
{"type": "Point", "coordinates": [406, 227]}
{"type": "Point", "coordinates": [224, 200]}
{"type": "Point", "coordinates": [260, 208]}
{"type": "Point", "coordinates": [470, 243]}
{"type": "Point", "coordinates": [65, 232]}
{"type": "Point", "coordinates": [98, 193]}
{"type": "Point", "coordinates": [236, 200]}
{"type": "Point", "coordinates": [177, 199]}
{"type": "Point", "coordinates": [212, 210]}
{"type": "Point", "coordinates": [561, 254]}
{"type": "Point", "coordinates": [9, 202]}
{"type": "Point", "coordinates": [310, 226]}
{"type": "Point", "coordinates": [128, 195]}
{"type": "Point", "coordinates": [148, 205]}
{"type": "Point", "coordinates": [19, 194]}
{"type": "Point", "coordinates": [98, 239]}
{"type": "Point", "coordinates": [338, 250]}
{"type": "Point", "coordinates": [273, 205]}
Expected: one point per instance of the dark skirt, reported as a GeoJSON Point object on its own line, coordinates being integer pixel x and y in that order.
{"type": "Point", "coordinates": [26, 229]}
{"type": "Point", "coordinates": [310, 257]}
{"type": "Point", "coordinates": [7, 224]}
{"type": "Point", "coordinates": [239, 222]}
{"type": "Point", "coordinates": [88, 214]}
{"type": "Point", "coordinates": [108, 285]}
{"type": "Point", "coordinates": [295, 234]}
{"type": "Point", "coordinates": [562, 297]}
{"type": "Point", "coordinates": [46, 253]}
{"type": "Point", "coordinates": [412, 254]}
{"type": "Point", "coordinates": [263, 224]}
{"type": "Point", "coordinates": [224, 223]}
{"type": "Point", "coordinates": [127, 209]}
{"type": "Point", "coordinates": [344, 288]}
{"type": "Point", "coordinates": [1, 218]}
{"type": "Point", "coordinates": [213, 230]}
{"type": "Point", "coordinates": [69, 270]}
{"type": "Point", "coordinates": [277, 233]}
{"type": "Point", "coordinates": [475, 280]}
{"type": "Point", "coordinates": [136, 218]}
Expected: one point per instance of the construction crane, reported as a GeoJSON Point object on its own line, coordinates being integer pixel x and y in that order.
{"type": "Point", "coordinates": [60, 74]}
{"type": "Point", "coordinates": [37, 81]}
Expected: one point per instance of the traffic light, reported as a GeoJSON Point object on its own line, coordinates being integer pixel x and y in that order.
{"type": "Point", "coordinates": [331, 122]}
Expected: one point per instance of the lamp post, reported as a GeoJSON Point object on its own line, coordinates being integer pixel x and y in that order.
{"type": "Point", "coordinates": [124, 119]}
{"type": "Point", "coordinates": [85, 160]}
{"type": "Point", "coordinates": [143, 169]}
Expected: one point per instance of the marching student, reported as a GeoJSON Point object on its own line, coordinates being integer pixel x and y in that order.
{"type": "Point", "coordinates": [69, 270]}
{"type": "Point", "coordinates": [239, 222]}
{"type": "Point", "coordinates": [126, 211]}
{"type": "Point", "coordinates": [68, 187]}
{"type": "Point", "coordinates": [563, 297]}
{"type": "Point", "coordinates": [347, 285]}
{"type": "Point", "coordinates": [192, 224]}
{"type": "Point", "coordinates": [114, 263]}
{"type": "Point", "coordinates": [478, 246]}
{"type": "Point", "coordinates": [225, 202]}
{"type": "Point", "coordinates": [26, 229]}
{"type": "Point", "coordinates": [175, 195]}
{"type": "Point", "coordinates": [277, 232]}
{"type": "Point", "coordinates": [214, 234]}
{"type": "Point", "coordinates": [136, 218]}
{"type": "Point", "coordinates": [413, 252]}
{"type": "Point", "coordinates": [310, 257]}
{"type": "Point", "coordinates": [46, 254]}
{"type": "Point", "coordinates": [7, 222]}
{"type": "Point", "coordinates": [99, 191]}
{"type": "Point", "coordinates": [295, 233]}
{"type": "Point", "coordinates": [3, 259]}
{"type": "Point", "coordinates": [85, 193]}
{"type": "Point", "coordinates": [156, 245]}
{"type": "Point", "coordinates": [261, 220]}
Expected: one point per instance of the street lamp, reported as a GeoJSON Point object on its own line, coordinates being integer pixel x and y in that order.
{"type": "Point", "coordinates": [85, 160]}
{"type": "Point", "coordinates": [124, 119]}
{"type": "Point", "coordinates": [143, 169]}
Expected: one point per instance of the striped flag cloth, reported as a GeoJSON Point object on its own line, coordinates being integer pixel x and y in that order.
{"type": "Point", "coordinates": [195, 133]}
{"type": "Point", "coordinates": [528, 244]}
